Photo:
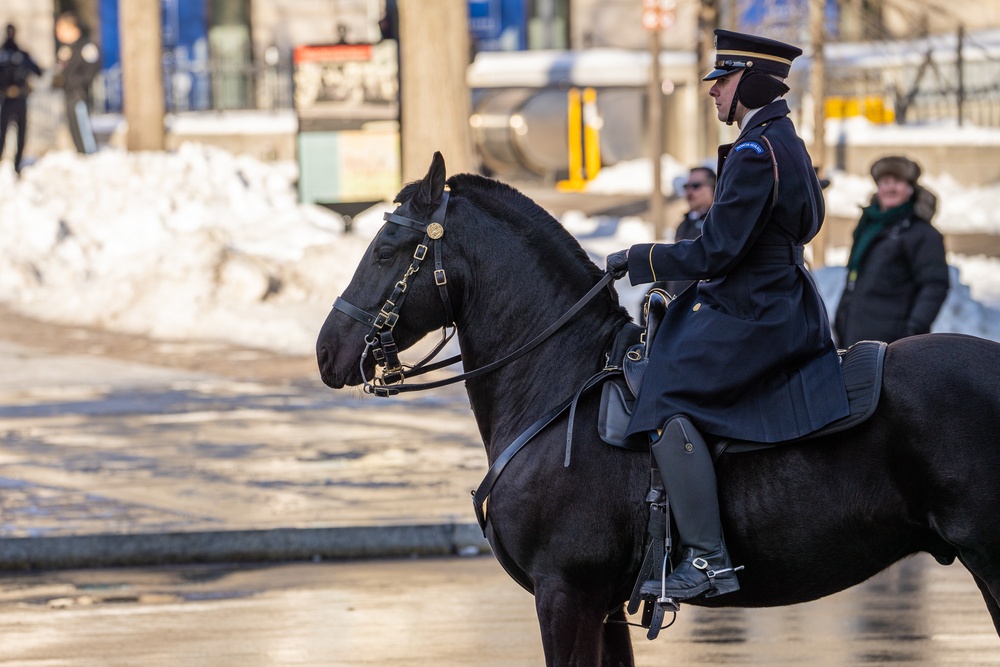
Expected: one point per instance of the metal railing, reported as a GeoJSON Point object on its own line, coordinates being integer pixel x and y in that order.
{"type": "Point", "coordinates": [933, 87]}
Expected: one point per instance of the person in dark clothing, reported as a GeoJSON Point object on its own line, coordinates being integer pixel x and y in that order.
{"type": "Point", "coordinates": [78, 60]}
{"type": "Point", "coordinates": [897, 275]}
{"type": "Point", "coordinates": [747, 352]}
{"type": "Point", "coordinates": [15, 68]}
{"type": "Point", "coordinates": [699, 191]}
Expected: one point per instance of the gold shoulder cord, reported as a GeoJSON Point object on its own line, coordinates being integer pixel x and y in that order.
{"type": "Point", "coordinates": [774, 165]}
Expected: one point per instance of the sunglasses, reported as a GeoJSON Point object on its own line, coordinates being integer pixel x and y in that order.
{"type": "Point", "coordinates": [692, 186]}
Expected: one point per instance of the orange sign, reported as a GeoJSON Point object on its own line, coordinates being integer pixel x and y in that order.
{"type": "Point", "coordinates": [658, 14]}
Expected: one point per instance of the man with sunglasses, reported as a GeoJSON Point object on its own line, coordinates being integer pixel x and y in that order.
{"type": "Point", "coordinates": [746, 353]}
{"type": "Point", "coordinates": [699, 191]}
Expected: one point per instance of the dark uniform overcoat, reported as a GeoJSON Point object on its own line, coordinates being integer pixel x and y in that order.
{"type": "Point", "coordinates": [747, 351]}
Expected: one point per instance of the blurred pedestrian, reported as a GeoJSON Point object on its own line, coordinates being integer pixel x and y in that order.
{"type": "Point", "coordinates": [78, 60]}
{"type": "Point", "coordinates": [699, 191]}
{"type": "Point", "coordinates": [15, 68]}
{"type": "Point", "coordinates": [897, 276]}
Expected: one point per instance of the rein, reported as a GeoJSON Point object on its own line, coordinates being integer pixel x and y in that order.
{"type": "Point", "coordinates": [379, 340]}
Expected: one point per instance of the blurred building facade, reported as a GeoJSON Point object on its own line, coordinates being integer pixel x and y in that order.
{"type": "Point", "coordinates": [237, 54]}
{"type": "Point", "coordinates": [934, 59]}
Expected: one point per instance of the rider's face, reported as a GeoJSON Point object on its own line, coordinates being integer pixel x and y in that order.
{"type": "Point", "coordinates": [723, 91]}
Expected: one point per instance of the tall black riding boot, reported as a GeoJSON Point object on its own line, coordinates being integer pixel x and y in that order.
{"type": "Point", "coordinates": [689, 478]}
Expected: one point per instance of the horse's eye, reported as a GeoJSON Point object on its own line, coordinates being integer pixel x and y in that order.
{"type": "Point", "coordinates": [384, 254]}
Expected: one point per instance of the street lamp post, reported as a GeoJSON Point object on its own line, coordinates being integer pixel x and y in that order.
{"type": "Point", "coordinates": [657, 16]}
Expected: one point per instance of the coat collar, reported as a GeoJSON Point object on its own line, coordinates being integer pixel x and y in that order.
{"type": "Point", "coordinates": [772, 111]}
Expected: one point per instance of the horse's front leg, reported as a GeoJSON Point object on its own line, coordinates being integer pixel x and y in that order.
{"type": "Point", "coordinates": [617, 641]}
{"type": "Point", "coordinates": [573, 630]}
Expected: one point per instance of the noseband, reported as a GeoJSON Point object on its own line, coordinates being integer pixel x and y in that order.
{"type": "Point", "coordinates": [379, 340]}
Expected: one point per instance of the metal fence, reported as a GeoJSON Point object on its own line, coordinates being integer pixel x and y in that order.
{"type": "Point", "coordinates": [926, 87]}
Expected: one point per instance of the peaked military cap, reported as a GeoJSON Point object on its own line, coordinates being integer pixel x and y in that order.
{"type": "Point", "coordinates": [735, 51]}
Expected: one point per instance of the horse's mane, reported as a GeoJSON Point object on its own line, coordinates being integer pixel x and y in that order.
{"type": "Point", "coordinates": [530, 220]}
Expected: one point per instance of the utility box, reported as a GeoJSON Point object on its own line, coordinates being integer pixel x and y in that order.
{"type": "Point", "coordinates": [347, 105]}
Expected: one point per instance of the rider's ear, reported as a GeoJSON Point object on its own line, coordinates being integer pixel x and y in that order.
{"type": "Point", "coordinates": [757, 89]}
{"type": "Point", "coordinates": [429, 193]}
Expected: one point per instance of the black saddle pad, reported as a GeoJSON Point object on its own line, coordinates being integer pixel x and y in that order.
{"type": "Point", "coordinates": [862, 369]}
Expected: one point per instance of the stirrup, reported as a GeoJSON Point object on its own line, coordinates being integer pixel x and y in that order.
{"type": "Point", "coordinates": [655, 606]}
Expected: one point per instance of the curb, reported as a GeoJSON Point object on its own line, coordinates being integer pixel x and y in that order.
{"type": "Point", "coordinates": [280, 544]}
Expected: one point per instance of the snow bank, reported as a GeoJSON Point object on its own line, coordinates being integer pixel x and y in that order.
{"type": "Point", "coordinates": [198, 243]}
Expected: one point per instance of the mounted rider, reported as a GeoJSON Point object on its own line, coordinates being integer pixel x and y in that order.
{"type": "Point", "coordinates": [746, 352]}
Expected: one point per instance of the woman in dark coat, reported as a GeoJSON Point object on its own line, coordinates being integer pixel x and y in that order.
{"type": "Point", "coordinates": [897, 276]}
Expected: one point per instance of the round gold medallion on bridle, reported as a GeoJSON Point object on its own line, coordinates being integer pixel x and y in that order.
{"type": "Point", "coordinates": [435, 230]}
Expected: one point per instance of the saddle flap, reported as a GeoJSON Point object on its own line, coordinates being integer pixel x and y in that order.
{"type": "Point", "coordinates": [614, 414]}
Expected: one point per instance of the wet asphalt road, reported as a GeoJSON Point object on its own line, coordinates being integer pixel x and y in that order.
{"type": "Point", "coordinates": [418, 613]}
{"type": "Point", "coordinates": [450, 612]}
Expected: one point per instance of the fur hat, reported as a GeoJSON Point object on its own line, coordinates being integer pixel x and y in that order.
{"type": "Point", "coordinates": [905, 169]}
{"type": "Point", "coordinates": [896, 165]}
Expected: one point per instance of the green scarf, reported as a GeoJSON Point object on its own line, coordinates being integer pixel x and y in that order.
{"type": "Point", "coordinates": [872, 223]}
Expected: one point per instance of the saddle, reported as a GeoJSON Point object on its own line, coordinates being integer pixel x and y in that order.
{"type": "Point", "coordinates": [618, 394]}
{"type": "Point", "coordinates": [861, 366]}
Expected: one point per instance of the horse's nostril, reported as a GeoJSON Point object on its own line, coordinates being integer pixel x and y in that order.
{"type": "Point", "coordinates": [323, 355]}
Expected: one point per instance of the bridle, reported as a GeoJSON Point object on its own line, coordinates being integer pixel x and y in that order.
{"type": "Point", "coordinates": [379, 341]}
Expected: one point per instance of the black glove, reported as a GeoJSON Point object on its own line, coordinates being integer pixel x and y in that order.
{"type": "Point", "coordinates": [617, 263]}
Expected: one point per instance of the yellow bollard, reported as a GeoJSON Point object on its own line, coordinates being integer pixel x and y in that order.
{"type": "Point", "coordinates": [574, 117]}
{"type": "Point", "coordinates": [591, 134]}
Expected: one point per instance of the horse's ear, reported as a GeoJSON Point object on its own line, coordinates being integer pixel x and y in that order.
{"type": "Point", "coordinates": [432, 185]}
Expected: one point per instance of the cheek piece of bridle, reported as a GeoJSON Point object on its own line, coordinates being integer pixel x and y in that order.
{"type": "Point", "coordinates": [379, 340]}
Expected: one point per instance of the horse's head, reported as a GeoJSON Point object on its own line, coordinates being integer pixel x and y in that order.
{"type": "Point", "coordinates": [481, 256]}
{"type": "Point", "coordinates": [400, 267]}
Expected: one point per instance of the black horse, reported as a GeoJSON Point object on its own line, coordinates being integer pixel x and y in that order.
{"type": "Point", "coordinates": [806, 520]}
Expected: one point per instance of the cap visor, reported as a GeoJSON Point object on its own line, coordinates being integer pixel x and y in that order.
{"type": "Point", "coordinates": [717, 74]}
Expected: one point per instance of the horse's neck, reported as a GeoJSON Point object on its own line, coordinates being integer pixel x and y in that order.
{"type": "Point", "coordinates": [510, 399]}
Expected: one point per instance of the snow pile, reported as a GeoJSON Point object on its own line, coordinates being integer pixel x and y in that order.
{"type": "Point", "coordinates": [201, 244]}
{"type": "Point", "coordinates": [198, 243]}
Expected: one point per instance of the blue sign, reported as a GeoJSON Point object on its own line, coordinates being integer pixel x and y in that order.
{"type": "Point", "coordinates": [186, 81]}
{"type": "Point", "coordinates": [785, 17]}
{"type": "Point", "coordinates": [499, 25]}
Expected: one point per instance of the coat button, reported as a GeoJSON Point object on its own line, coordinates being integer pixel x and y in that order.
{"type": "Point", "coordinates": [696, 307]}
